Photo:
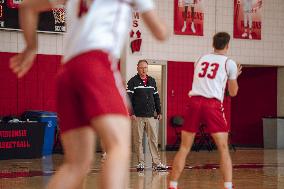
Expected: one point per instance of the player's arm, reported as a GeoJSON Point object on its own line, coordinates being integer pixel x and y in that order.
{"type": "Point", "coordinates": [28, 16]}
{"type": "Point", "coordinates": [233, 87]}
{"type": "Point", "coordinates": [234, 72]}
{"type": "Point", "coordinates": [151, 19]}
{"type": "Point", "coordinates": [156, 26]}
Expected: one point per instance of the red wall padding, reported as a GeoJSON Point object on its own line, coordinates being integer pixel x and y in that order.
{"type": "Point", "coordinates": [35, 91]}
{"type": "Point", "coordinates": [257, 97]}
{"type": "Point", "coordinates": [8, 86]}
{"type": "Point", "coordinates": [180, 76]}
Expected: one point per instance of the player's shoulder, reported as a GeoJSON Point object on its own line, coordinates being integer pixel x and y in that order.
{"type": "Point", "coordinates": [231, 61]}
{"type": "Point", "coordinates": [231, 64]}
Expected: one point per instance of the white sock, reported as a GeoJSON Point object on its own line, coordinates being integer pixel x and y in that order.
{"type": "Point", "coordinates": [228, 185]}
{"type": "Point", "coordinates": [173, 184]}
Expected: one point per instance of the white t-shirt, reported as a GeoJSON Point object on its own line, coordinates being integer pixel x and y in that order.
{"type": "Point", "coordinates": [105, 25]}
{"type": "Point", "coordinates": [211, 73]}
{"type": "Point", "coordinates": [247, 5]}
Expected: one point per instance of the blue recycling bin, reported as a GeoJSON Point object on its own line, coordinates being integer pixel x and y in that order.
{"type": "Point", "coordinates": [45, 117]}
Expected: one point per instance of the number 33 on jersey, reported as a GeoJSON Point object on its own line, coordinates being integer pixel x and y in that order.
{"type": "Point", "coordinates": [211, 73]}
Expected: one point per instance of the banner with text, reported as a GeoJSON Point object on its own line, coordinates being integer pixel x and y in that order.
{"type": "Point", "coordinates": [247, 19]}
{"type": "Point", "coordinates": [188, 17]}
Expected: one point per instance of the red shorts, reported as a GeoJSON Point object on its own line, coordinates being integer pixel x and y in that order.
{"type": "Point", "coordinates": [207, 111]}
{"type": "Point", "coordinates": [89, 85]}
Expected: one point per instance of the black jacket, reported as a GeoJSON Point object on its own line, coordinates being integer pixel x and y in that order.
{"type": "Point", "coordinates": [145, 100]}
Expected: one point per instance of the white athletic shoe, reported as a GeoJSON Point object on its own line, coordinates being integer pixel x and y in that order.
{"type": "Point", "coordinates": [140, 167]}
{"type": "Point", "coordinates": [244, 35]}
{"type": "Point", "coordinates": [160, 167]}
{"type": "Point", "coordinates": [250, 36]}
{"type": "Point", "coordinates": [183, 28]}
{"type": "Point", "coordinates": [193, 27]}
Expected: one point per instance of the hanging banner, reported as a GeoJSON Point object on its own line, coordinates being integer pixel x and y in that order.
{"type": "Point", "coordinates": [188, 17]}
{"type": "Point", "coordinates": [135, 35]}
{"type": "Point", "coordinates": [247, 19]}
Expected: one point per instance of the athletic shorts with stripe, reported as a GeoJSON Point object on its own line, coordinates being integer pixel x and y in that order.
{"type": "Point", "coordinates": [206, 111]}
{"type": "Point", "coordinates": [89, 85]}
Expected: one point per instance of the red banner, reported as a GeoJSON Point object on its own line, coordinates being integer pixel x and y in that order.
{"type": "Point", "coordinates": [135, 35]}
{"type": "Point", "coordinates": [247, 19]}
{"type": "Point", "coordinates": [188, 17]}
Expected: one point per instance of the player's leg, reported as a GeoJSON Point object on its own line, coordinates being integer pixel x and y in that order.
{"type": "Point", "coordinates": [250, 24]}
{"type": "Point", "coordinates": [103, 105]}
{"type": "Point", "coordinates": [114, 131]}
{"type": "Point", "coordinates": [192, 19]}
{"type": "Point", "coordinates": [184, 18]}
{"type": "Point", "coordinates": [191, 126]}
{"type": "Point", "coordinates": [77, 137]}
{"type": "Point", "coordinates": [221, 140]}
{"type": "Point", "coordinates": [78, 147]}
{"type": "Point", "coordinates": [179, 160]}
{"type": "Point", "coordinates": [245, 34]}
{"type": "Point", "coordinates": [214, 116]}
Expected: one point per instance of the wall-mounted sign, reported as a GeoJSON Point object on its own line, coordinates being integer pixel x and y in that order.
{"type": "Point", "coordinates": [21, 140]}
{"type": "Point", "coordinates": [135, 35]}
{"type": "Point", "coordinates": [188, 17]}
{"type": "Point", "coordinates": [50, 21]}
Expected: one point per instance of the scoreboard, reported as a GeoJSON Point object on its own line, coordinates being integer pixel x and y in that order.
{"type": "Point", "coordinates": [50, 21]}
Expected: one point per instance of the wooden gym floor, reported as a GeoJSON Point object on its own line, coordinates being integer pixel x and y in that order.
{"type": "Point", "coordinates": [253, 169]}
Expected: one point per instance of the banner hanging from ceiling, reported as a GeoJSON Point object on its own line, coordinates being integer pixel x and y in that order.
{"type": "Point", "coordinates": [247, 19]}
{"type": "Point", "coordinates": [188, 17]}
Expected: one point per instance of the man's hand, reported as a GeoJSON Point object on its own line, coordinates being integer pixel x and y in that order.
{"type": "Point", "coordinates": [239, 69]}
{"type": "Point", "coordinates": [159, 117]}
{"type": "Point", "coordinates": [133, 117]}
{"type": "Point", "coordinates": [21, 63]}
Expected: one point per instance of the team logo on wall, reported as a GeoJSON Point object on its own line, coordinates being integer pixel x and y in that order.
{"type": "Point", "coordinates": [135, 35]}
{"type": "Point", "coordinates": [247, 19]}
{"type": "Point", "coordinates": [188, 17]}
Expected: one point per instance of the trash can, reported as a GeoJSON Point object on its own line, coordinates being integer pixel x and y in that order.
{"type": "Point", "coordinates": [273, 132]}
{"type": "Point", "coordinates": [45, 117]}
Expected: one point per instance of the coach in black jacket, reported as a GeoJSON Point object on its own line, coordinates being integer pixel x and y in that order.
{"type": "Point", "coordinates": [145, 100]}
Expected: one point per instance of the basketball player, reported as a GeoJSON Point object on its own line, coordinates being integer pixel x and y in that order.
{"type": "Point", "coordinates": [90, 93]}
{"type": "Point", "coordinates": [186, 4]}
{"type": "Point", "coordinates": [211, 73]}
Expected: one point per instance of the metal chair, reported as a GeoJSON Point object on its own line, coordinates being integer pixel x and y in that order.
{"type": "Point", "coordinates": [203, 139]}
